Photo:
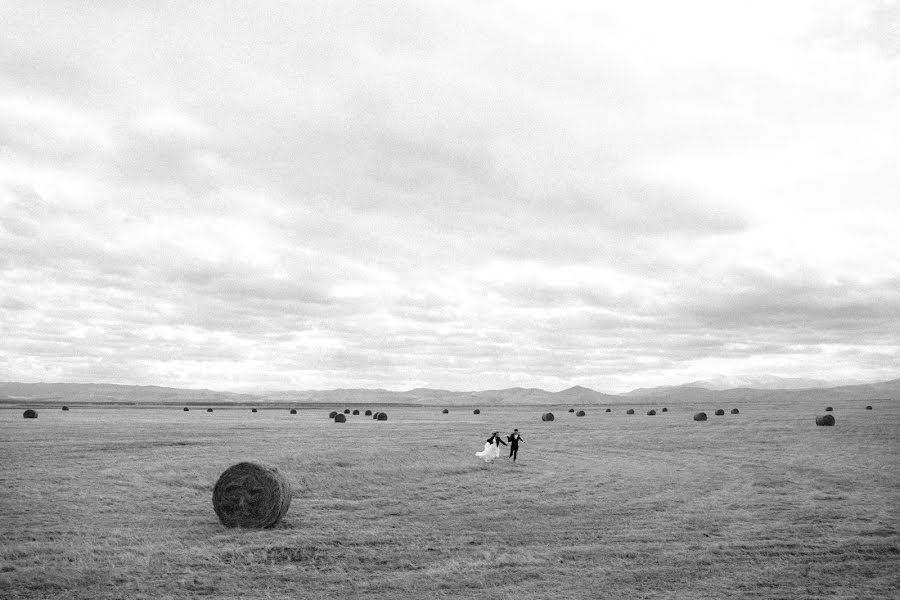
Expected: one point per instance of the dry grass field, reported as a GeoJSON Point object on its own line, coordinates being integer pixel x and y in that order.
{"type": "Point", "coordinates": [116, 503]}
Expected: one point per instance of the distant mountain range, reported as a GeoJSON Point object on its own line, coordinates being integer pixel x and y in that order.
{"type": "Point", "coordinates": [689, 393]}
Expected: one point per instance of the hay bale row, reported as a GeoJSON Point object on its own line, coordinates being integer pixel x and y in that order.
{"type": "Point", "coordinates": [700, 416]}
{"type": "Point", "coordinates": [29, 414]}
{"type": "Point", "coordinates": [251, 495]}
{"type": "Point", "coordinates": [547, 417]}
{"type": "Point", "coordinates": [580, 413]}
{"type": "Point", "coordinates": [826, 421]}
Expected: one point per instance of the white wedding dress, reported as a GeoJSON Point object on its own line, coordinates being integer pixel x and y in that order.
{"type": "Point", "coordinates": [490, 452]}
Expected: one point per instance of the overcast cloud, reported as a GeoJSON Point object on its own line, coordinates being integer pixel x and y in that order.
{"type": "Point", "coordinates": [464, 195]}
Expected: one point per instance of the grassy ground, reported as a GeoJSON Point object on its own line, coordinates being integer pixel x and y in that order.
{"type": "Point", "coordinates": [116, 503]}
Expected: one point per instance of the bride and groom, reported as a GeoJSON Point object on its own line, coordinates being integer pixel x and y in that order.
{"type": "Point", "coordinates": [492, 446]}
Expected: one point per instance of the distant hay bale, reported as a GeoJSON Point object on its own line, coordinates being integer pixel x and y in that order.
{"type": "Point", "coordinates": [253, 410]}
{"type": "Point", "coordinates": [547, 417]}
{"type": "Point", "coordinates": [828, 409]}
{"type": "Point", "coordinates": [186, 409]}
{"type": "Point", "coordinates": [251, 495]}
{"type": "Point", "coordinates": [869, 407]}
{"type": "Point", "coordinates": [209, 410]}
{"type": "Point", "coordinates": [827, 420]}
{"type": "Point", "coordinates": [608, 410]}
{"type": "Point", "coordinates": [340, 418]}
{"type": "Point", "coordinates": [355, 412]}
{"type": "Point", "coordinates": [368, 413]}
{"type": "Point", "coordinates": [571, 410]}
{"type": "Point", "coordinates": [293, 411]}
{"type": "Point", "coordinates": [445, 411]}
{"type": "Point", "coordinates": [580, 413]}
{"type": "Point", "coordinates": [665, 409]}
{"type": "Point", "coordinates": [29, 414]}
{"type": "Point", "coordinates": [346, 411]}
{"type": "Point", "coordinates": [651, 412]}
{"type": "Point", "coordinates": [332, 414]}
{"type": "Point", "coordinates": [382, 416]}
{"type": "Point", "coordinates": [65, 408]}
{"type": "Point", "coordinates": [720, 412]}
{"type": "Point", "coordinates": [735, 411]}
{"type": "Point", "coordinates": [700, 416]}
{"type": "Point", "coordinates": [476, 412]}
{"type": "Point", "coordinates": [630, 411]}
{"type": "Point", "coordinates": [375, 416]}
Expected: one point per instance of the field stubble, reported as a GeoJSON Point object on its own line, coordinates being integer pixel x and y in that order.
{"type": "Point", "coordinates": [116, 503]}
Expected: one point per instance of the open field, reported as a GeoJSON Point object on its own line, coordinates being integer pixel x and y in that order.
{"type": "Point", "coordinates": [116, 503]}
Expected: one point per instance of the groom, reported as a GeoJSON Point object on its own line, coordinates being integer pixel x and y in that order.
{"type": "Point", "coordinates": [514, 440]}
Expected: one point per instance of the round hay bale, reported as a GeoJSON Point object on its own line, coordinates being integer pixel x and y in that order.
{"type": "Point", "coordinates": [608, 410]}
{"type": "Point", "coordinates": [700, 416]}
{"type": "Point", "coordinates": [355, 412]}
{"type": "Point", "coordinates": [293, 411]}
{"type": "Point", "coordinates": [65, 408]}
{"type": "Point", "coordinates": [251, 495]}
{"type": "Point", "coordinates": [29, 414]}
{"type": "Point", "coordinates": [735, 411]}
{"type": "Point", "coordinates": [547, 417]}
{"type": "Point", "coordinates": [186, 409]}
{"type": "Point", "coordinates": [445, 411]}
{"type": "Point", "coordinates": [868, 408]}
{"type": "Point", "coordinates": [253, 410]}
{"type": "Point", "coordinates": [375, 416]}
{"type": "Point", "coordinates": [630, 411]}
{"type": "Point", "coordinates": [828, 409]}
{"type": "Point", "coordinates": [209, 410]}
{"type": "Point", "coordinates": [476, 412]}
{"type": "Point", "coordinates": [827, 420]}
{"type": "Point", "coordinates": [720, 412]}
{"type": "Point", "coordinates": [382, 416]}
{"type": "Point", "coordinates": [340, 418]}
{"type": "Point", "coordinates": [665, 409]}
{"type": "Point", "coordinates": [346, 411]}
{"type": "Point", "coordinates": [332, 414]}
{"type": "Point", "coordinates": [571, 410]}
{"type": "Point", "coordinates": [651, 412]}
{"type": "Point", "coordinates": [368, 413]}
{"type": "Point", "coordinates": [580, 413]}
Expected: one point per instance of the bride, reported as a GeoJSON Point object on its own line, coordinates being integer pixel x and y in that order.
{"type": "Point", "coordinates": [491, 448]}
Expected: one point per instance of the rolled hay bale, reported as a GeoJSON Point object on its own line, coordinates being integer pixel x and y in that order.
{"type": "Point", "coordinates": [868, 408]}
{"type": "Point", "coordinates": [382, 416]}
{"type": "Point", "coordinates": [630, 411]}
{"type": "Point", "coordinates": [608, 410]}
{"type": "Point", "coordinates": [346, 411]}
{"type": "Point", "coordinates": [251, 495]}
{"type": "Point", "coordinates": [735, 411]}
{"type": "Point", "coordinates": [580, 413]}
{"type": "Point", "coordinates": [445, 411]}
{"type": "Point", "coordinates": [293, 411]}
{"type": "Point", "coordinates": [209, 410]}
{"type": "Point", "coordinates": [340, 418]}
{"type": "Point", "coordinates": [827, 420]}
{"type": "Point", "coordinates": [186, 409]}
{"type": "Point", "coordinates": [700, 416]}
{"type": "Point", "coordinates": [332, 414]}
{"type": "Point", "coordinates": [355, 412]}
{"type": "Point", "coordinates": [65, 408]}
{"type": "Point", "coordinates": [651, 412]}
{"type": "Point", "coordinates": [29, 414]}
{"type": "Point", "coordinates": [720, 412]}
{"type": "Point", "coordinates": [476, 412]}
{"type": "Point", "coordinates": [828, 409]}
{"type": "Point", "coordinates": [571, 410]}
{"type": "Point", "coordinates": [253, 410]}
{"type": "Point", "coordinates": [368, 413]}
{"type": "Point", "coordinates": [547, 417]}
{"type": "Point", "coordinates": [665, 409]}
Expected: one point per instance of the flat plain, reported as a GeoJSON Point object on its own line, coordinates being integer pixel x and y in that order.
{"type": "Point", "coordinates": [106, 503]}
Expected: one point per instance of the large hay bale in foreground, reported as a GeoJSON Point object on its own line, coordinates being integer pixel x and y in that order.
{"type": "Point", "coordinates": [735, 411]}
{"type": "Point", "coordinates": [340, 418]}
{"type": "Point", "coordinates": [251, 495]}
{"type": "Point", "coordinates": [828, 409]}
{"type": "Point", "coordinates": [630, 411]}
{"type": "Point", "coordinates": [293, 411]}
{"type": "Point", "coordinates": [476, 412]}
{"type": "Point", "coordinates": [65, 408]}
{"type": "Point", "coordinates": [332, 414]}
{"type": "Point", "coordinates": [580, 413]}
{"type": "Point", "coordinates": [827, 420]}
{"type": "Point", "coordinates": [382, 416]}
{"type": "Point", "coordinates": [651, 412]}
{"type": "Point", "coordinates": [547, 417]}
{"type": "Point", "coordinates": [355, 412]}
{"type": "Point", "coordinates": [368, 413]}
{"type": "Point", "coordinates": [720, 412]}
{"type": "Point", "coordinates": [29, 414]}
{"type": "Point", "coordinates": [700, 416]}
{"type": "Point", "coordinates": [445, 411]}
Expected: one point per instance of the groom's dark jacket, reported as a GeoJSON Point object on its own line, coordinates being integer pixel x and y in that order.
{"type": "Point", "coordinates": [514, 440]}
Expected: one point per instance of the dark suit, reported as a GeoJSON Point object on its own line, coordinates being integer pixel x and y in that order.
{"type": "Point", "coordinates": [514, 440]}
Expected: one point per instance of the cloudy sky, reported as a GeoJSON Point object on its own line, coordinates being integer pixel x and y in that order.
{"type": "Point", "coordinates": [465, 195]}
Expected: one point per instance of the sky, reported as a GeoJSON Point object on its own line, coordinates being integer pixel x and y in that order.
{"type": "Point", "coordinates": [457, 195]}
